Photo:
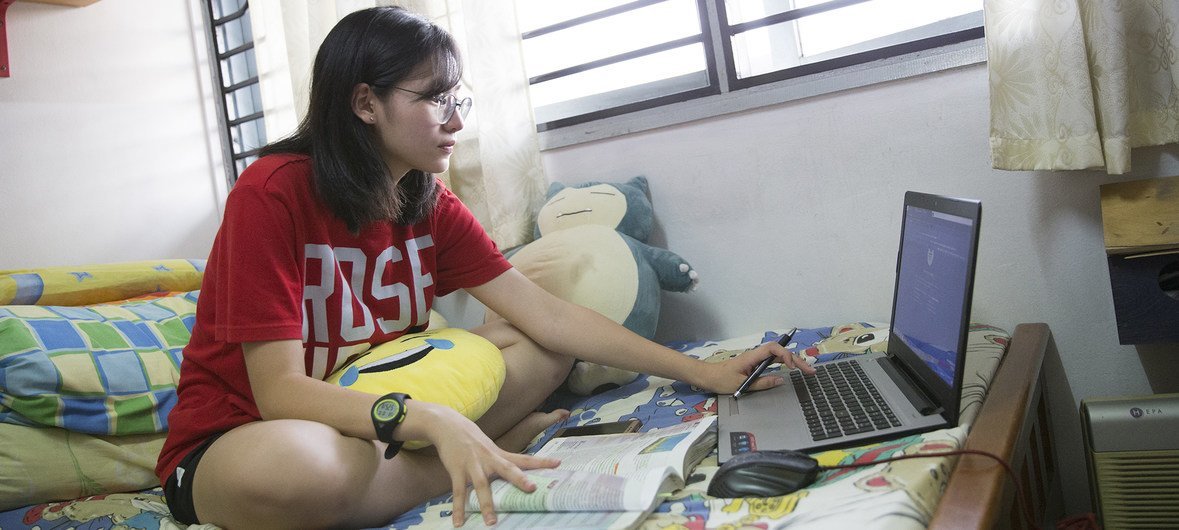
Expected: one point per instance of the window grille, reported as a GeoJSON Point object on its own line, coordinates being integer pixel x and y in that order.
{"type": "Point", "coordinates": [232, 42]}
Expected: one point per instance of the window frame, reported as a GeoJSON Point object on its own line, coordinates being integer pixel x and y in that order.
{"type": "Point", "coordinates": [230, 154]}
{"type": "Point", "coordinates": [726, 93]}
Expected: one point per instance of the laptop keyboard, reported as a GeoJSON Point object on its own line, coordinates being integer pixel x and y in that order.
{"type": "Point", "coordinates": [840, 400]}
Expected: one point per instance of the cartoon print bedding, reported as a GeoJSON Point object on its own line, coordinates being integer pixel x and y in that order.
{"type": "Point", "coordinates": [900, 494]}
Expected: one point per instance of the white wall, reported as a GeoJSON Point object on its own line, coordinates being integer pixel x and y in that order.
{"type": "Point", "coordinates": [105, 154]}
{"type": "Point", "coordinates": [791, 215]}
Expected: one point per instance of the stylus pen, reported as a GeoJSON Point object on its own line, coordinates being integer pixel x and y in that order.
{"type": "Point", "coordinates": [761, 367]}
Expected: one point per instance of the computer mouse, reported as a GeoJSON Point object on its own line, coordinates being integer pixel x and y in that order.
{"type": "Point", "coordinates": [763, 474]}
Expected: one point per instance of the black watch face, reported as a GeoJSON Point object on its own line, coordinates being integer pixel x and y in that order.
{"type": "Point", "coordinates": [387, 410]}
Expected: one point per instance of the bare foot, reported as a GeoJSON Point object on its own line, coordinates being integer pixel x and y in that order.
{"type": "Point", "coordinates": [517, 438]}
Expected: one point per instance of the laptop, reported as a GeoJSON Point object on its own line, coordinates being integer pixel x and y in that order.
{"type": "Point", "coordinates": [917, 384]}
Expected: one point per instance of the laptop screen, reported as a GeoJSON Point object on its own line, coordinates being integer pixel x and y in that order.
{"type": "Point", "coordinates": [934, 284]}
{"type": "Point", "coordinates": [931, 282]}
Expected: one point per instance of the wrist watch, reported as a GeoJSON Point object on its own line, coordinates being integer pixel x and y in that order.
{"type": "Point", "coordinates": [388, 412]}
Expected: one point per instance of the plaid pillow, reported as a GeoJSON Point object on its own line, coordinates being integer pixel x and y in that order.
{"type": "Point", "coordinates": [100, 369]}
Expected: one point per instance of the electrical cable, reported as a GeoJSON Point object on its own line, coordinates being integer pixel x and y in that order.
{"type": "Point", "coordinates": [1020, 495]}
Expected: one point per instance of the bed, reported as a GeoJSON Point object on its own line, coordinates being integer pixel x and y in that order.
{"type": "Point", "coordinates": [112, 485]}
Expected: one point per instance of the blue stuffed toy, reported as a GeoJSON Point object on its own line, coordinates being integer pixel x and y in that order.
{"type": "Point", "coordinates": [590, 249]}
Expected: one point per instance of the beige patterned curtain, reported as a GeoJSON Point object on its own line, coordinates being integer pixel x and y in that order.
{"type": "Point", "coordinates": [1076, 84]}
{"type": "Point", "coordinates": [496, 167]}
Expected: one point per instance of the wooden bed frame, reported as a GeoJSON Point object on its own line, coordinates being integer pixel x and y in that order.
{"type": "Point", "coordinates": [1013, 424]}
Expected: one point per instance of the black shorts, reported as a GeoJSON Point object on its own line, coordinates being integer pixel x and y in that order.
{"type": "Point", "coordinates": [178, 488]}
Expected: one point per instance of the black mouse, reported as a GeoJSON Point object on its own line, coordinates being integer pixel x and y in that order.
{"type": "Point", "coordinates": [763, 474]}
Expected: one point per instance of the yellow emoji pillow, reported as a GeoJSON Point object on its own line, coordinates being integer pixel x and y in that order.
{"type": "Point", "coordinates": [447, 366]}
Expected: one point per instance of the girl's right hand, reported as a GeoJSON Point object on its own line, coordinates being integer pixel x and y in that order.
{"type": "Point", "coordinates": [469, 456]}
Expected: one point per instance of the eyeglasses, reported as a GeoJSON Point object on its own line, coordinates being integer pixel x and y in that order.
{"type": "Point", "coordinates": [447, 104]}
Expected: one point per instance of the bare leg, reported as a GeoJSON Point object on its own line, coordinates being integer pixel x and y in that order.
{"type": "Point", "coordinates": [301, 474]}
{"type": "Point", "coordinates": [517, 438]}
{"type": "Point", "coordinates": [532, 374]}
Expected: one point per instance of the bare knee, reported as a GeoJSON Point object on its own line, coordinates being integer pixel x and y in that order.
{"type": "Point", "coordinates": [285, 474]}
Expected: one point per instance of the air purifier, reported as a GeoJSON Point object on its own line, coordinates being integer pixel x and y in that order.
{"type": "Point", "coordinates": [1132, 448]}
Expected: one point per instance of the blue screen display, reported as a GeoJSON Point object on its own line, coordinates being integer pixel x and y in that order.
{"type": "Point", "coordinates": [931, 287]}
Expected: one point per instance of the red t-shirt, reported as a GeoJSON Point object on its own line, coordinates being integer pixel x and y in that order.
{"type": "Point", "coordinates": [283, 267]}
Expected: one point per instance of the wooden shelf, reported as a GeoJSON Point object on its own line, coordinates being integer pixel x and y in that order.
{"type": "Point", "coordinates": [1140, 216]}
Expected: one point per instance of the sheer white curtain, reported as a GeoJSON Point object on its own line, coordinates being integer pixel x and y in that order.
{"type": "Point", "coordinates": [496, 168]}
{"type": "Point", "coordinates": [1076, 84]}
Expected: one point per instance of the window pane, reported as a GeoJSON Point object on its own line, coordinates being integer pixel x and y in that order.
{"type": "Point", "coordinates": [256, 134]}
{"type": "Point", "coordinates": [536, 14]}
{"type": "Point", "coordinates": [765, 49]}
{"type": "Point", "coordinates": [238, 68]}
{"type": "Point", "coordinates": [224, 8]}
{"type": "Point", "coordinates": [640, 79]}
{"type": "Point", "coordinates": [231, 107]}
{"type": "Point", "coordinates": [228, 7]}
{"type": "Point", "coordinates": [859, 23]}
{"type": "Point", "coordinates": [247, 28]}
{"type": "Point", "coordinates": [235, 139]}
{"type": "Point", "coordinates": [852, 29]}
{"type": "Point", "coordinates": [739, 11]}
{"type": "Point", "coordinates": [251, 64]}
{"type": "Point", "coordinates": [243, 101]}
{"type": "Point", "coordinates": [241, 163]}
{"type": "Point", "coordinates": [648, 26]}
{"type": "Point", "coordinates": [249, 136]}
{"type": "Point", "coordinates": [230, 35]}
{"type": "Point", "coordinates": [256, 97]}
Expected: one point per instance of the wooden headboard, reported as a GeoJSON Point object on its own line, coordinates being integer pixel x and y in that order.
{"type": "Point", "coordinates": [1012, 424]}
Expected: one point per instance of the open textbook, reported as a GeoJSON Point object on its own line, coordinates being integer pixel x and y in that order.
{"type": "Point", "coordinates": [604, 481]}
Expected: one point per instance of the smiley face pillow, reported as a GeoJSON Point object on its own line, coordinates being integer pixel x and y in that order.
{"type": "Point", "coordinates": [448, 366]}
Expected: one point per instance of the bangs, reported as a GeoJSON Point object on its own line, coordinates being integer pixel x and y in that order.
{"type": "Point", "coordinates": [447, 66]}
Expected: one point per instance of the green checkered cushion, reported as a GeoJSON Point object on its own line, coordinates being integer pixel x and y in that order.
{"type": "Point", "coordinates": [100, 369]}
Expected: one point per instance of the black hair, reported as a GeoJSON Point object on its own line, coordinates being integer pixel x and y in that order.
{"type": "Point", "coordinates": [380, 46]}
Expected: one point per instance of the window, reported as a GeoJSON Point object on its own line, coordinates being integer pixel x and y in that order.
{"type": "Point", "coordinates": [595, 59]}
{"type": "Point", "coordinates": [232, 41]}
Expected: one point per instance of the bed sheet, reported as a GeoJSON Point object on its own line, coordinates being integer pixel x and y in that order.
{"type": "Point", "coordinates": [897, 495]}
{"type": "Point", "coordinates": [900, 494]}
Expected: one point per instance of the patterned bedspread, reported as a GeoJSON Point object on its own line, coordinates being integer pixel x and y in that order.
{"type": "Point", "coordinates": [900, 494]}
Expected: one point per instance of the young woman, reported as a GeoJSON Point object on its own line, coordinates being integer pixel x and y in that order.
{"type": "Point", "coordinates": [338, 239]}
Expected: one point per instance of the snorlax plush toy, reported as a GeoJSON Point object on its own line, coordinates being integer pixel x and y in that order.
{"type": "Point", "coordinates": [590, 249]}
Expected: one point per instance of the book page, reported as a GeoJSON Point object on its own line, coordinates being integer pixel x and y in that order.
{"type": "Point", "coordinates": [564, 490]}
{"type": "Point", "coordinates": [619, 477]}
{"type": "Point", "coordinates": [622, 454]}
